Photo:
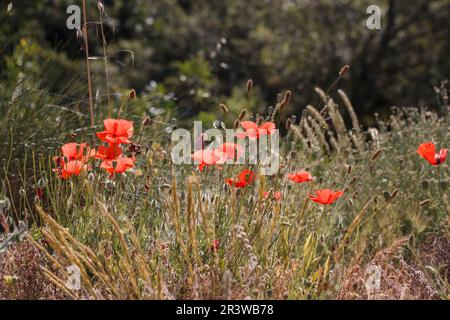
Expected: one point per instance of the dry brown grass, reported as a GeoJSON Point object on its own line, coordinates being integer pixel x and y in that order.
{"type": "Point", "coordinates": [400, 279]}
{"type": "Point", "coordinates": [21, 277]}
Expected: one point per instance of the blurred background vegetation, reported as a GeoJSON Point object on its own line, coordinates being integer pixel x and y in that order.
{"type": "Point", "coordinates": [184, 57]}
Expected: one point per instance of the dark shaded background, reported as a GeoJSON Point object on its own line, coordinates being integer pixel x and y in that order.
{"type": "Point", "coordinates": [190, 55]}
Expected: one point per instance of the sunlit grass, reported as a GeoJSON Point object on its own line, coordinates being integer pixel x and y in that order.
{"type": "Point", "coordinates": [150, 232]}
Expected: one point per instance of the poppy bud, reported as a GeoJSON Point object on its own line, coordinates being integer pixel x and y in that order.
{"type": "Point", "coordinates": [279, 97]}
{"type": "Point", "coordinates": [91, 177]}
{"type": "Point", "coordinates": [259, 120]}
{"type": "Point", "coordinates": [293, 118]}
{"type": "Point", "coordinates": [286, 99]}
{"type": "Point", "coordinates": [134, 148]}
{"type": "Point", "coordinates": [42, 182]}
{"type": "Point", "coordinates": [132, 94]}
{"type": "Point", "coordinates": [288, 124]}
{"type": "Point", "coordinates": [5, 204]}
{"type": "Point", "coordinates": [101, 7]}
{"type": "Point", "coordinates": [147, 121]}
{"type": "Point", "coordinates": [22, 192]}
{"type": "Point", "coordinates": [344, 70]}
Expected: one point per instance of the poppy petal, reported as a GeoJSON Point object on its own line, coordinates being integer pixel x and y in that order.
{"type": "Point", "coordinates": [267, 128]}
{"type": "Point", "coordinates": [325, 196]}
{"type": "Point", "coordinates": [428, 152]}
{"type": "Point", "coordinates": [69, 150]}
{"type": "Point", "coordinates": [102, 135]}
{"type": "Point", "coordinates": [247, 125]}
{"type": "Point", "coordinates": [442, 155]}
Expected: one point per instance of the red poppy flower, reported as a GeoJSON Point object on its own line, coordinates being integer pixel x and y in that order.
{"type": "Point", "coordinates": [117, 131]}
{"type": "Point", "coordinates": [75, 151]}
{"type": "Point", "coordinates": [244, 179]}
{"type": "Point", "coordinates": [208, 157]}
{"type": "Point", "coordinates": [71, 168]}
{"type": "Point", "coordinates": [428, 151]}
{"type": "Point", "coordinates": [299, 177]}
{"type": "Point", "coordinates": [252, 130]}
{"type": "Point", "coordinates": [39, 193]}
{"type": "Point", "coordinates": [277, 195]}
{"type": "Point", "coordinates": [230, 150]}
{"type": "Point", "coordinates": [215, 245]}
{"type": "Point", "coordinates": [118, 165]}
{"type": "Point", "coordinates": [326, 196]}
{"type": "Point", "coordinates": [110, 152]}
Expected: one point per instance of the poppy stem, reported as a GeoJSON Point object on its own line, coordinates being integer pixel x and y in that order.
{"type": "Point", "coordinates": [141, 134]}
{"type": "Point", "coordinates": [88, 67]}
{"type": "Point", "coordinates": [441, 196]}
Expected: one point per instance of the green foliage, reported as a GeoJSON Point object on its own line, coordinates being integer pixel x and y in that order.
{"type": "Point", "coordinates": [281, 45]}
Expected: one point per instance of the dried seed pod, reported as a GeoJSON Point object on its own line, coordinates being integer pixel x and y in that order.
{"type": "Point", "coordinates": [394, 194]}
{"type": "Point", "coordinates": [224, 109]}
{"type": "Point", "coordinates": [288, 124]}
{"type": "Point", "coordinates": [132, 94]}
{"type": "Point", "coordinates": [425, 202]}
{"type": "Point", "coordinates": [344, 70]}
{"type": "Point", "coordinates": [287, 98]}
{"type": "Point", "coordinates": [242, 114]}
{"type": "Point", "coordinates": [236, 124]}
{"type": "Point", "coordinates": [376, 154]}
{"type": "Point", "coordinates": [249, 86]}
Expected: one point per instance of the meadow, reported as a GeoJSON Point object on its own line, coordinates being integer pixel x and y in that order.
{"type": "Point", "coordinates": [89, 188]}
{"type": "Point", "coordinates": [150, 229]}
